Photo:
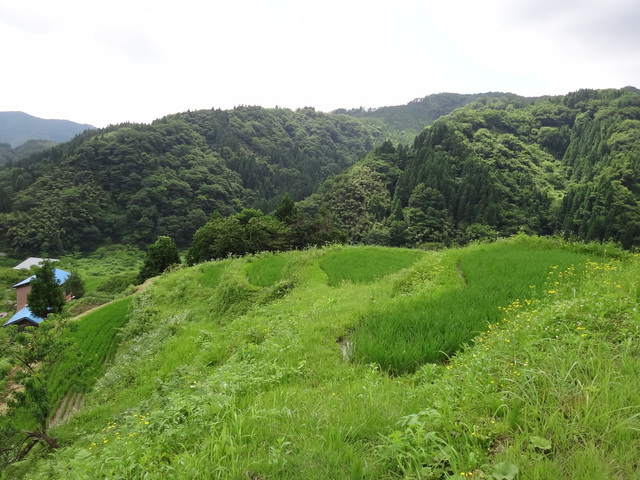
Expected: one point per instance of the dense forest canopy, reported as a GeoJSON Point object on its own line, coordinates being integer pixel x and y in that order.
{"type": "Point", "coordinates": [497, 165]}
{"type": "Point", "coordinates": [9, 154]}
{"type": "Point", "coordinates": [131, 183]}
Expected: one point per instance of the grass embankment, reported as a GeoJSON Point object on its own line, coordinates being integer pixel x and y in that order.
{"type": "Point", "coordinates": [219, 378]}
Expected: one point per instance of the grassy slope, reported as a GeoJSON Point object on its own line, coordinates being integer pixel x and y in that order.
{"type": "Point", "coordinates": [104, 263]}
{"type": "Point", "coordinates": [222, 379]}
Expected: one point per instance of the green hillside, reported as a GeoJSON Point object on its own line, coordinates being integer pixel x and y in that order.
{"type": "Point", "coordinates": [266, 366]}
{"type": "Point", "coordinates": [565, 165]}
{"type": "Point", "coordinates": [9, 154]}
{"type": "Point", "coordinates": [429, 338]}
{"type": "Point", "coordinates": [131, 183]}
{"type": "Point", "coordinates": [410, 119]}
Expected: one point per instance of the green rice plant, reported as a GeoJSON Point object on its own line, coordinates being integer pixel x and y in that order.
{"type": "Point", "coordinates": [432, 326]}
{"type": "Point", "coordinates": [265, 271]}
{"type": "Point", "coordinates": [365, 264]}
{"type": "Point", "coordinates": [94, 342]}
{"type": "Point", "coordinates": [92, 282]}
{"type": "Point", "coordinates": [550, 392]}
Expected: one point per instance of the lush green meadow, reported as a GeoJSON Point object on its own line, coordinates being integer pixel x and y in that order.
{"type": "Point", "coordinates": [104, 264]}
{"type": "Point", "coordinates": [218, 377]}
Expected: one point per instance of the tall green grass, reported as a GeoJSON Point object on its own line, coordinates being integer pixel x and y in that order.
{"type": "Point", "coordinates": [212, 272]}
{"type": "Point", "coordinates": [365, 264]}
{"type": "Point", "coordinates": [8, 278]}
{"type": "Point", "coordinates": [8, 262]}
{"type": "Point", "coordinates": [92, 282]}
{"type": "Point", "coordinates": [103, 264]}
{"type": "Point", "coordinates": [551, 392]}
{"type": "Point", "coordinates": [266, 271]}
{"type": "Point", "coordinates": [432, 326]}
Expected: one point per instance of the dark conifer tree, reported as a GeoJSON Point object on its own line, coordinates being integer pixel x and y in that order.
{"type": "Point", "coordinates": [46, 293]}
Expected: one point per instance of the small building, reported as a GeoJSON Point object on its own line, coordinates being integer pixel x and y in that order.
{"type": "Point", "coordinates": [24, 318]}
{"type": "Point", "coordinates": [24, 287]}
{"type": "Point", "coordinates": [32, 261]}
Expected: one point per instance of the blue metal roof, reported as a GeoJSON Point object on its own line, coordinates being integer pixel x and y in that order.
{"type": "Point", "coordinates": [24, 314]}
{"type": "Point", "coordinates": [61, 277]}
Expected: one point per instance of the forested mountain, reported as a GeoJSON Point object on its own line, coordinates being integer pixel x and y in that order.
{"type": "Point", "coordinates": [17, 128]}
{"type": "Point", "coordinates": [567, 164]}
{"type": "Point", "coordinates": [410, 119]}
{"type": "Point", "coordinates": [496, 166]}
{"type": "Point", "coordinates": [131, 183]}
{"type": "Point", "coordinates": [10, 154]}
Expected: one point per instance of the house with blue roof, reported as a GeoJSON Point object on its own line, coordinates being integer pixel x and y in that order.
{"type": "Point", "coordinates": [24, 316]}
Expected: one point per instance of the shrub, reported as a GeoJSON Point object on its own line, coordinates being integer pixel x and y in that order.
{"type": "Point", "coordinates": [117, 283]}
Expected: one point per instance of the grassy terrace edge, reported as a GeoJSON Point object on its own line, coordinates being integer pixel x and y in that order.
{"type": "Point", "coordinates": [218, 378]}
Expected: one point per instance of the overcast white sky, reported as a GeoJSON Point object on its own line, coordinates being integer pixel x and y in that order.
{"type": "Point", "coordinates": [113, 61]}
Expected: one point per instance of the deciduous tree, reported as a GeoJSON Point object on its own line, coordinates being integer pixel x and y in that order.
{"type": "Point", "coordinates": [31, 353]}
{"type": "Point", "coordinates": [160, 255]}
{"type": "Point", "coordinates": [74, 285]}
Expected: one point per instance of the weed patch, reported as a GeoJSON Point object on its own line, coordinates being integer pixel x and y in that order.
{"type": "Point", "coordinates": [212, 272]}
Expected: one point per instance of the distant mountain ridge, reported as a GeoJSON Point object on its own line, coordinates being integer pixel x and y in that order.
{"type": "Point", "coordinates": [133, 182]}
{"type": "Point", "coordinates": [17, 128]}
{"type": "Point", "coordinates": [419, 113]}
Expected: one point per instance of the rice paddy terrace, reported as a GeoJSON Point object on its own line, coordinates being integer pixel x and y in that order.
{"type": "Point", "coordinates": [516, 359]}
